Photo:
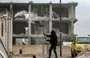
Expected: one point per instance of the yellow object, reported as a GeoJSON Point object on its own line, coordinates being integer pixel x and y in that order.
{"type": "Point", "coordinates": [77, 46]}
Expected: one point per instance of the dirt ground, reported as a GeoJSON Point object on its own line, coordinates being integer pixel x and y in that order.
{"type": "Point", "coordinates": [66, 52]}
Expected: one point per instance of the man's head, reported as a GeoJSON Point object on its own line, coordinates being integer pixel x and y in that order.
{"type": "Point", "coordinates": [53, 32]}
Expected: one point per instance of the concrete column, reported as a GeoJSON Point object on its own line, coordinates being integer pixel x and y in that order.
{"type": "Point", "coordinates": [50, 17]}
{"type": "Point", "coordinates": [4, 33]}
{"type": "Point", "coordinates": [8, 33]}
{"type": "Point", "coordinates": [71, 11]}
{"type": "Point", "coordinates": [72, 17]}
{"type": "Point", "coordinates": [29, 22]}
{"type": "Point", "coordinates": [11, 28]}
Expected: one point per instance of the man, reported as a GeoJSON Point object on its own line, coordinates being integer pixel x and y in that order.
{"type": "Point", "coordinates": [53, 42]}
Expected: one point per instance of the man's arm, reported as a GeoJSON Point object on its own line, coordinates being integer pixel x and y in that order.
{"type": "Point", "coordinates": [47, 35]}
{"type": "Point", "coordinates": [48, 40]}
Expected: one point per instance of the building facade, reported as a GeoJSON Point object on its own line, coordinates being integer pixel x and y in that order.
{"type": "Point", "coordinates": [22, 25]}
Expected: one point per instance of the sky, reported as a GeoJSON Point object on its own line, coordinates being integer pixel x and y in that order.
{"type": "Point", "coordinates": [82, 26]}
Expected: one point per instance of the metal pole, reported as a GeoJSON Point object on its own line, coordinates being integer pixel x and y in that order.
{"type": "Point", "coordinates": [60, 32]}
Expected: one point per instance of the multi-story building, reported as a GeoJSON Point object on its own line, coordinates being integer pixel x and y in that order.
{"type": "Point", "coordinates": [22, 25]}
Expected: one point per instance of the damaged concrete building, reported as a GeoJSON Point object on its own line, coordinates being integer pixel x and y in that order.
{"type": "Point", "coordinates": [22, 25]}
